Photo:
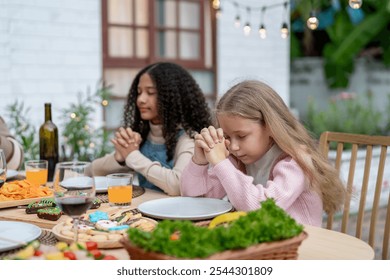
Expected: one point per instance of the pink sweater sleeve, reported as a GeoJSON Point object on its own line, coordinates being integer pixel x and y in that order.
{"type": "Point", "coordinates": [224, 178]}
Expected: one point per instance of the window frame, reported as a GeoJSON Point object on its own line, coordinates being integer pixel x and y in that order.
{"type": "Point", "coordinates": [120, 62]}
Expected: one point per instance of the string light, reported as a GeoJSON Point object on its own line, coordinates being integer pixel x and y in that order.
{"type": "Point", "coordinates": [284, 30]}
{"type": "Point", "coordinates": [312, 21]}
{"type": "Point", "coordinates": [216, 4]}
{"type": "Point", "coordinates": [237, 21]}
{"type": "Point", "coordinates": [218, 13]}
{"type": "Point", "coordinates": [247, 27]}
{"type": "Point", "coordinates": [355, 4]}
{"type": "Point", "coordinates": [262, 30]}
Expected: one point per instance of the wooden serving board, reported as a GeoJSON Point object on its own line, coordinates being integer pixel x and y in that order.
{"type": "Point", "coordinates": [19, 215]}
{"type": "Point", "coordinates": [14, 203]}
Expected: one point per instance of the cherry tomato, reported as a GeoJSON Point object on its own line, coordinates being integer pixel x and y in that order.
{"type": "Point", "coordinates": [37, 253]}
{"type": "Point", "coordinates": [91, 245]}
{"type": "Point", "coordinates": [70, 255]}
{"type": "Point", "coordinates": [109, 257]}
{"type": "Point", "coordinates": [96, 254]}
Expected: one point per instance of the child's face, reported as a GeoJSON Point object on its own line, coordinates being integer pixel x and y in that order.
{"type": "Point", "coordinates": [147, 99]}
{"type": "Point", "coordinates": [247, 140]}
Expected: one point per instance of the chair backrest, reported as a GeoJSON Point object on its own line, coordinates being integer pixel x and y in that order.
{"type": "Point", "coordinates": [366, 143]}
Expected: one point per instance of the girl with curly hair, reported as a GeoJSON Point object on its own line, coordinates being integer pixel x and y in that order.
{"type": "Point", "coordinates": [165, 107]}
{"type": "Point", "coordinates": [260, 151]}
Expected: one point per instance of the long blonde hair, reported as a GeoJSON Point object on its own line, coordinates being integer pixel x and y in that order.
{"type": "Point", "coordinates": [255, 100]}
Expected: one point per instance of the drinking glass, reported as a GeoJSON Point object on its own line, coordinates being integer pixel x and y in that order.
{"type": "Point", "coordinates": [36, 171]}
{"type": "Point", "coordinates": [120, 189]}
{"type": "Point", "coordinates": [3, 168]}
{"type": "Point", "coordinates": [74, 190]}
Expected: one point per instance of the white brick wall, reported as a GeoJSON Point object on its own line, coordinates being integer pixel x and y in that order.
{"type": "Point", "coordinates": [241, 57]}
{"type": "Point", "coordinates": [50, 50]}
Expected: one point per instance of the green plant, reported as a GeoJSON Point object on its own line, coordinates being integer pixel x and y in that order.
{"type": "Point", "coordinates": [346, 113]}
{"type": "Point", "coordinates": [344, 41]}
{"type": "Point", "coordinates": [25, 133]}
{"type": "Point", "coordinates": [81, 140]}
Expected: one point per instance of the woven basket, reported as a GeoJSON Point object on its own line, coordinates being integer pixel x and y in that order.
{"type": "Point", "coordinates": [278, 250]}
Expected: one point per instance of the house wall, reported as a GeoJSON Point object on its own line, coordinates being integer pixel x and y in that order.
{"type": "Point", "coordinates": [50, 51]}
{"type": "Point", "coordinates": [250, 57]}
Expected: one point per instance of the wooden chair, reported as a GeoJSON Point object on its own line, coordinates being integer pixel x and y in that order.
{"type": "Point", "coordinates": [367, 143]}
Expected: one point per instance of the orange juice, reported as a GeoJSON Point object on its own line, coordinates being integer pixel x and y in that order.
{"type": "Point", "coordinates": [37, 176]}
{"type": "Point", "coordinates": [120, 194]}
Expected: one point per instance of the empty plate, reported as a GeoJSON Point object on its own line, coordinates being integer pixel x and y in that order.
{"type": "Point", "coordinates": [18, 231]}
{"type": "Point", "coordinates": [185, 208]}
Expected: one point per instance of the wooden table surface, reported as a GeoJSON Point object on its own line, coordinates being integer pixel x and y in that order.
{"type": "Point", "coordinates": [321, 244]}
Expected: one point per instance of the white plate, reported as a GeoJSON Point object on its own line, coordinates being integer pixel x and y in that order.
{"type": "Point", "coordinates": [185, 208]}
{"type": "Point", "coordinates": [17, 231]}
{"type": "Point", "coordinates": [101, 183]}
{"type": "Point", "coordinates": [77, 183]}
{"type": "Point", "coordinates": [11, 173]}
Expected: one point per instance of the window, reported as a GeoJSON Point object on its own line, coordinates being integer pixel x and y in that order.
{"type": "Point", "coordinates": [139, 32]}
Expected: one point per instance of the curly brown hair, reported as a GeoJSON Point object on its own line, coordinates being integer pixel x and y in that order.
{"type": "Point", "coordinates": [181, 104]}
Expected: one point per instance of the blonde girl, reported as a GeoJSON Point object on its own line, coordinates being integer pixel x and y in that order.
{"type": "Point", "coordinates": [260, 151]}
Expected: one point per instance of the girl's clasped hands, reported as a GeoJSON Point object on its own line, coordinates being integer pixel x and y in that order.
{"type": "Point", "coordinates": [126, 141]}
{"type": "Point", "coordinates": [210, 146]}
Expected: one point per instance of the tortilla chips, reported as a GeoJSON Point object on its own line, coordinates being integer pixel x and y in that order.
{"type": "Point", "coordinates": [22, 189]}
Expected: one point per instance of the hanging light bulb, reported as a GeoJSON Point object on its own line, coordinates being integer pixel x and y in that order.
{"type": "Point", "coordinates": [284, 30]}
{"type": "Point", "coordinates": [312, 21]}
{"type": "Point", "coordinates": [262, 31]}
{"type": "Point", "coordinates": [247, 29]}
{"type": "Point", "coordinates": [237, 21]}
{"type": "Point", "coordinates": [218, 13]}
{"type": "Point", "coordinates": [355, 4]}
{"type": "Point", "coordinates": [216, 4]}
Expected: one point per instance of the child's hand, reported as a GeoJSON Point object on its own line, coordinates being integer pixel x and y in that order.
{"type": "Point", "coordinates": [217, 154]}
{"type": "Point", "coordinates": [199, 156]}
{"type": "Point", "coordinates": [208, 139]}
{"type": "Point", "coordinates": [212, 136]}
{"type": "Point", "coordinates": [125, 142]}
{"type": "Point", "coordinates": [126, 137]}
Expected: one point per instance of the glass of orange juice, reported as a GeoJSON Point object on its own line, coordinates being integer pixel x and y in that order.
{"type": "Point", "coordinates": [120, 189]}
{"type": "Point", "coordinates": [36, 171]}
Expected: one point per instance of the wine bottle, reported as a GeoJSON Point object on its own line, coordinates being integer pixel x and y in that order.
{"type": "Point", "coordinates": [48, 142]}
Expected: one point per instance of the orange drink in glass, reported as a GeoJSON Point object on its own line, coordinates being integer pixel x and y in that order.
{"type": "Point", "coordinates": [120, 189]}
{"type": "Point", "coordinates": [36, 171]}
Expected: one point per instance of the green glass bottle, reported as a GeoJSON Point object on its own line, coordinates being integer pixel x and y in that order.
{"type": "Point", "coordinates": [48, 142]}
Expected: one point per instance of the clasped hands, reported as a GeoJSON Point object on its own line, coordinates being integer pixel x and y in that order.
{"type": "Point", "coordinates": [210, 146]}
{"type": "Point", "coordinates": [126, 141]}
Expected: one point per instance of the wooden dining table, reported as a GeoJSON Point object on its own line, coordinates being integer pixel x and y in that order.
{"type": "Point", "coordinates": [321, 244]}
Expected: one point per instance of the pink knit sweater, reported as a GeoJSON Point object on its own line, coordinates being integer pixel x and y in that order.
{"type": "Point", "coordinates": [289, 188]}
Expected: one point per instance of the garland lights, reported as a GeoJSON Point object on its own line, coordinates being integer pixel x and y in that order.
{"type": "Point", "coordinates": [312, 22]}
